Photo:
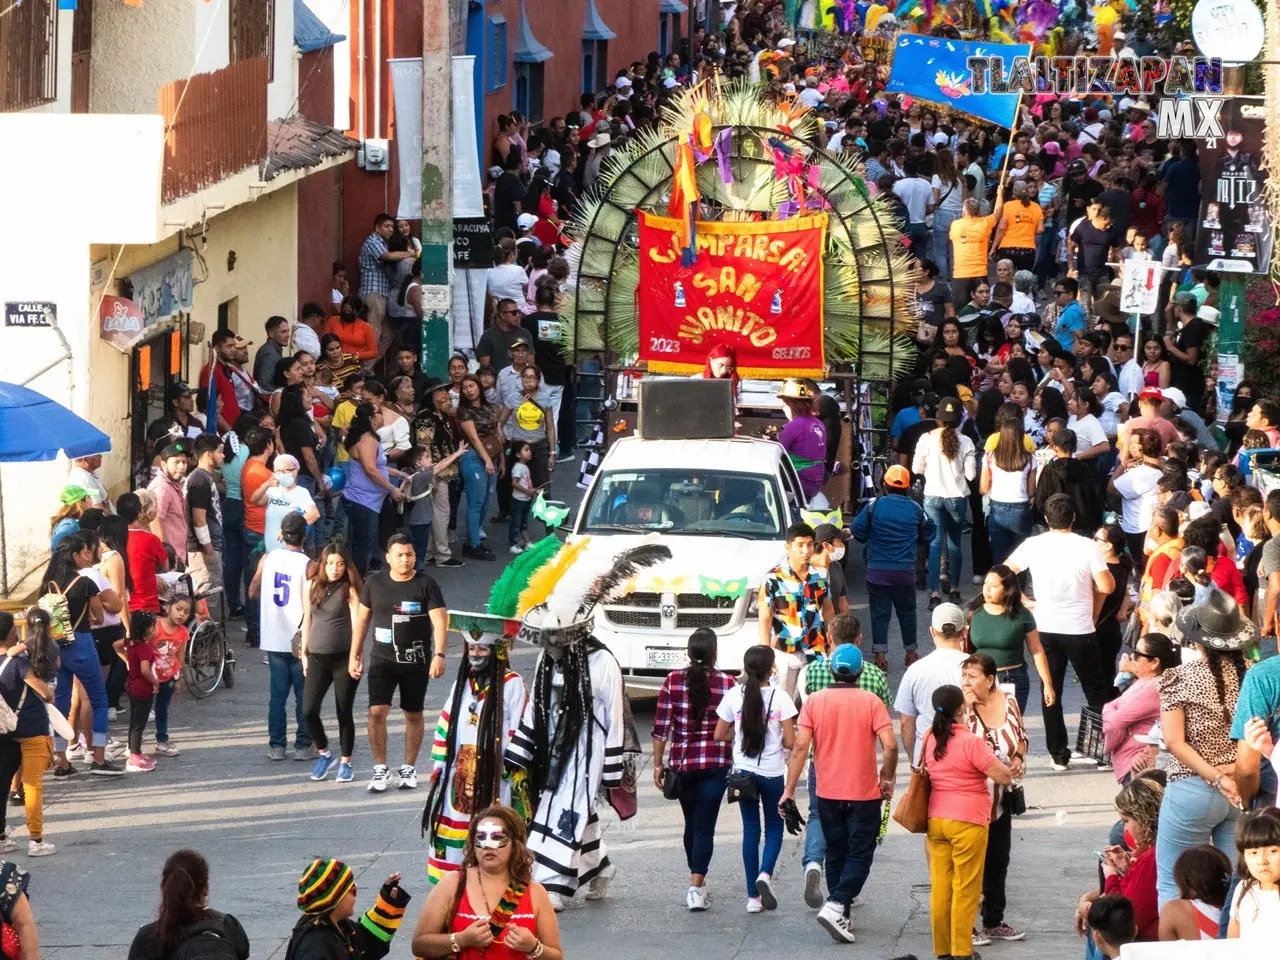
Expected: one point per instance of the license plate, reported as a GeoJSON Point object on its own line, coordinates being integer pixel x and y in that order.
{"type": "Point", "coordinates": [665, 658]}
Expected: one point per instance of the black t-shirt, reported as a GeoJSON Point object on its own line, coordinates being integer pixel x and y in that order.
{"type": "Point", "coordinates": [78, 593]}
{"type": "Point", "coordinates": [507, 192]}
{"type": "Point", "coordinates": [933, 305]}
{"type": "Point", "coordinates": [911, 436]}
{"type": "Point", "coordinates": [546, 352]}
{"type": "Point", "coordinates": [33, 719]}
{"type": "Point", "coordinates": [1187, 376]}
{"type": "Point", "coordinates": [401, 632]}
{"type": "Point", "coordinates": [202, 492]}
{"type": "Point", "coordinates": [1077, 199]}
{"type": "Point", "coordinates": [297, 435]}
{"type": "Point", "coordinates": [837, 580]}
{"type": "Point", "coordinates": [828, 411]}
{"type": "Point", "coordinates": [1092, 247]}
{"type": "Point", "coordinates": [495, 343]}
{"type": "Point", "coordinates": [1120, 202]}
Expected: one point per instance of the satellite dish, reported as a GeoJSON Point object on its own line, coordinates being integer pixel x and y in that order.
{"type": "Point", "coordinates": [1231, 30]}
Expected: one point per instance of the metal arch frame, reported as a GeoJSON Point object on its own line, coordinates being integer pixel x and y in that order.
{"type": "Point", "coordinates": [740, 133]}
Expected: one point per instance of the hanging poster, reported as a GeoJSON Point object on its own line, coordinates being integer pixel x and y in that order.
{"type": "Point", "coordinates": [756, 287]}
{"type": "Point", "coordinates": [1233, 234]}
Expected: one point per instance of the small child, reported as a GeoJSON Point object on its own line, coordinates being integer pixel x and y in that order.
{"type": "Point", "coordinates": [1253, 440]}
{"type": "Point", "coordinates": [171, 648]}
{"type": "Point", "coordinates": [1137, 248]}
{"type": "Point", "coordinates": [1255, 908]}
{"type": "Point", "coordinates": [521, 495]}
{"type": "Point", "coordinates": [1203, 876]}
{"type": "Point", "coordinates": [140, 654]}
{"type": "Point", "coordinates": [418, 506]}
{"type": "Point", "coordinates": [327, 899]}
{"type": "Point", "coordinates": [488, 378]}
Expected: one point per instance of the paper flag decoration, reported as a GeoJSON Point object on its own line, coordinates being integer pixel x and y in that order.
{"type": "Point", "coordinates": [477, 624]}
{"type": "Point", "coordinates": [548, 513]}
{"type": "Point", "coordinates": [723, 588]}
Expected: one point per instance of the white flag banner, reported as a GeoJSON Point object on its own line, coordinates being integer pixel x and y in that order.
{"type": "Point", "coordinates": [1140, 286]}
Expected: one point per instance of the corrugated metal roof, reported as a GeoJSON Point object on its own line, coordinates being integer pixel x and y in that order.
{"type": "Point", "coordinates": [298, 143]}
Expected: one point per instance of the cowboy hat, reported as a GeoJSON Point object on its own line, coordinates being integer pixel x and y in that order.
{"type": "Point", "coordinates": [598, 141]}
{"type": "Point", "coordinates": [793, 389]}
{"type": "Point", "coordinates": [1216, 622]}
{"type": "Point", "coordinates": [1209, 315]}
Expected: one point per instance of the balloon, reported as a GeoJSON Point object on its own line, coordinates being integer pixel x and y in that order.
{"type": "Point", "coordinates": [337, 478]}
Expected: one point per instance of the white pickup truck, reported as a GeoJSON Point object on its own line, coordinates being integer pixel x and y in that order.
{"type": "Point", "coordinates": [723, 507]}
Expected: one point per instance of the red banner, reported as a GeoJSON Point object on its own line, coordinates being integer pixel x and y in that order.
{"type": "Point", "coordinates": [756, 287]}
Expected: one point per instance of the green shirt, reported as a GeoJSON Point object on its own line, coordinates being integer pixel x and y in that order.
{"type": "Point", "coordinates": [1001, 638]}
{"type": "Point", "coordinates": [872, 679]}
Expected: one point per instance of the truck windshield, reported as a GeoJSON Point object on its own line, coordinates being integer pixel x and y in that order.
{"type": "Point", "coordinates": [682, 502]}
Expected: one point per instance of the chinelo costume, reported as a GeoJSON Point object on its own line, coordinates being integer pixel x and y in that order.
{"type": "Point", "coordinates": [576, 737]}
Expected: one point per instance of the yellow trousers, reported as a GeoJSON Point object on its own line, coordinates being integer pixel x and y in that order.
{"type": "Point", "coordinates": [957, 852]}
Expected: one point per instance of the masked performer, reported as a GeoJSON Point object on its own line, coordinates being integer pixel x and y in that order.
{"type": "Point", "coordinates": [476, 724]}
{"type": "Point", "coordinates": [571, 740]}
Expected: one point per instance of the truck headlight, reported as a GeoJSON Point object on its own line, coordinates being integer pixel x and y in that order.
{"type": "Point", "coordinates": [753, 603]}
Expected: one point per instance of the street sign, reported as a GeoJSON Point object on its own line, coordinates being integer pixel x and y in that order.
{"type": "Point", "coordinates": [1140, 290]}
{"type": "Point", "coordinates": [30, 313]}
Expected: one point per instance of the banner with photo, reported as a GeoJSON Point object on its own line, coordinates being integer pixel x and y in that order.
{"type": "Point", "coordinates": [756, 287]}
{"type": "Point", "coordinates": [1233, 233]}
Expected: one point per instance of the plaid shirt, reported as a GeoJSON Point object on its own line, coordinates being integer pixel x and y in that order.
{"type": "Point", "coordinates": [691, 748]}
{"type": "Point", "coordinates": [373, 276]}
{"type": "Point", "coordinates": [817, 676]}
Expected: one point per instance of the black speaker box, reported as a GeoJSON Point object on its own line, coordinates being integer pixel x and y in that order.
{"type": "Point", "coordinates": [681, 408]}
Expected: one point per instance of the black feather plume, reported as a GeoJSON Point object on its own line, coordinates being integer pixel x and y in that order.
{"type": "Point", "coordinates": [610, 586]}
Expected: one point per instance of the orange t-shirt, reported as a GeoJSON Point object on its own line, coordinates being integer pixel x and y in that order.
{"type": "Point", "coordinates": [357, 337]}
{"type": "Point", "coordinates": [1020, 224]}
{"type": "Point", "coordinates": [168, 650]}
{"type": "Point", "coordinates": [846, 723]}
{"type": "Point", "coordinates": [969, 239]}
{"type": "Point", "coordinates": [252, 476]}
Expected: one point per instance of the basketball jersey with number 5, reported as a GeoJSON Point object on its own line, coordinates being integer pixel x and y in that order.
{"type": "Point", "coordinates": [284, 572]}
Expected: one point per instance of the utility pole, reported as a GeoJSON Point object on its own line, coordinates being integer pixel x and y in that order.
{"type": "Point", "coordinates": [437, 186]}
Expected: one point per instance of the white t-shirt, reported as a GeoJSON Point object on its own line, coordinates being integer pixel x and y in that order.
{"type": "Point", "coordinates": [1257, 913]}
{"type": "Point", "coordinates": [1062, 566]}
{"type": "Point", "coordinates": [1110, 418]}
{"type": "Point", "coordinates": [283, 574]}
{"type": "Point", "coordinates": [1089, 432]}
{"type": "Point", "coordinates": [80, 477]}
{"type": "Point", "coordinates": [915, 693]}
{"type": "Point", "coordinates": [282, 501]}
{"type": "Point", "coordinates": [520, 475]}
{"type": "Point", "coordinates": [395, 435]}
{"type": "Point", "coordinates": [305, 339]}
{"type": "Point", "coordinates": [943, 477]}
{"type": "Point", "coordinates": [100, 580]}
{"type": "Point", "coordinates": [810, 97]}
{"type": "Point", "coordinates": [1009, 486]}
{"type": "Point", "coordinates": [780, 707]}
{"type": "Point", "coordinates": [950, 196]}
{"type": "Point", "coordinates": [1137, 487]}
{"type": "Point", "coordinates": [916, 193]}
{"type": "Point", "coordinates": [506, 282]}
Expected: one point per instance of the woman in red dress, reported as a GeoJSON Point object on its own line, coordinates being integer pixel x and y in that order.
{"type": "Point", "coordinates": [491, 908]}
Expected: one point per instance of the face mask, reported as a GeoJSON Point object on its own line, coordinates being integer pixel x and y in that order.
{"type": "Point", "coordinates": [837, 553]}
{"type": "Point", "coordinates": [491, 838]}
{"type": "Point", "coordinates": [478, 664]}
{"type": "Point", "coordinates": [286, 480]}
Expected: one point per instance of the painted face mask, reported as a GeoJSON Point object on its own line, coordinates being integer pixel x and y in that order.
{"type": "Point", "coordinates": [491, 838]}
{"type": "Point", "coordinates": [286, 480]}
{"type": "Point", "coordinates": [479, 661]}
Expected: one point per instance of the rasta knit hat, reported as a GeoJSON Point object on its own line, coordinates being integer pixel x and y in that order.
{"type": "Point", "coordinates": [323, 884]}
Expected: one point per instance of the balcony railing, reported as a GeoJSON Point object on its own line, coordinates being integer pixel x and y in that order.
{"type": "Point", "coordinates": [217, 126]}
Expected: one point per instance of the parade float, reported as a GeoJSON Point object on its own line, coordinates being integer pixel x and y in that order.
{"type": "Point", "coordinates": [727, 227]}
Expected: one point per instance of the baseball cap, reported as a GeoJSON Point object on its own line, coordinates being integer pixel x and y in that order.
{"type": "Point", "coordinates": [670, 82]}
{"type": "Point", "coordinates": [622, 82]}
{"type": "Point", "coordinates": [181, 449]}
{"type": "Point", "coordinates": [526, 221]}
{"type": "Point", "coordinates": [176, 390]}
{"type": "Point", "coordinates": [293, 523]}
{"type": "Point", "coordinates": [1177, 396]}
{"type": "Point", "coordinates": [846, 661]}
{"type": "Point", "coordinates": [1076, 166]}
{"type": "Point", "coordinates": [948, 618]}
{"type": "Point", "coordinates": [1052, 148]}
{"type": "Point", "coordinates": [939, 139]}
{"type": "Point", "coordinates": [1151, 393]}
{"type": "Point", "coordinates": [898, 477]}
{"type": "Point", "coordinates": [72, 493]}
{"type": "Point", "coordinates": [826, 532]}
{"type": "Point", "coordinates": [1184, 296]}
{"type": "Point", "coordinates": [786, 42]}
{"type": "Point", "coordinates": [949, 412]}
{"type": "Point", "coordinates": [519, 340]}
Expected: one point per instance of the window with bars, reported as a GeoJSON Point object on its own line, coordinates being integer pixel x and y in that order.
{"type": "Point", "coordinates": [253, 32]}
{"type": "Point", "coordinates": [29, 55]}
{"type": "Point", "coordinates": [497, 73]}
{"type": "Point", "coordinates": [81, 55]}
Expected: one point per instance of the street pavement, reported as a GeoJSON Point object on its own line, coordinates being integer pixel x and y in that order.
{"type": "Point", "coordinates": [259, 823]}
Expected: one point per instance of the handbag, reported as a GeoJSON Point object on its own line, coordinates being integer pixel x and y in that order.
{"type": "Point", "coordinates": [912, 811]}
{"type": "Point", "coordinates": [740, 785]}
{"type": "Point", "coordinates": [671, 783]}
{"type": "Point", "coordinates": [1015, 801]}
{"type": "Point", "coordinates": [8, 714]}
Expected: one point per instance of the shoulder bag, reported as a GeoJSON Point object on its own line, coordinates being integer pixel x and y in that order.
{"type": "Point", "coordinates": [912, 811]}
{"type": "Point", "coordinates": [8, 714]}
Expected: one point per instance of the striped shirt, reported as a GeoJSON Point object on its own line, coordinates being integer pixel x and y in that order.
{"type": "Point", "coordinates": [1003, 740]}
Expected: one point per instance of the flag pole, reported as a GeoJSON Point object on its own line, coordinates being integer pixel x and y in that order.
{"type": "Point", "coordinates": [1008, 152]}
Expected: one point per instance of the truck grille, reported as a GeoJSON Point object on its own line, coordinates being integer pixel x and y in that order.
{"type": "Point", "coordinates": [693, 610]}
{"type": "Point", "coordinates": [635, 618]}
{"type": "Point", "coordinates": [691, 621]}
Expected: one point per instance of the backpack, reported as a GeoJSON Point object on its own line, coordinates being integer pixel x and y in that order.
{"type": "Point", "coordinates": [207, 940]}
{"type": "Point", "coordinates": [54, 602]}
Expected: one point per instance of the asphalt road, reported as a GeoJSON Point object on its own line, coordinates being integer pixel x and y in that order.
{"type": "Point", "coordinates": [259, 823]}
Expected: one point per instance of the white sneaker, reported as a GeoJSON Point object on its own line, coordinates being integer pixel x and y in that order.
{"type": "Point", "coordinates": [381, 776]}
{"type": "Point", "coordinates": [40, 848]}
{"type": "Point", "coordinates": [754, 905]}
{"type": "Point", "coordinates": [114, 750]}
{"type": "Point", "coordinates": [167, 749]}
{"type": "Point", "coordinates": [764, 885]}
{"type": "Point", "coordinates": [557, 900]}
{"type": "Point", "coordinates": [599, 885]}
{"type": "Point", "coordinates": [516, 550]}
{"type": "Point", "coordinates": [831, 918]}
{"type": "Point", "coordinates": [8, 845]}
{"type": "Point", "coordinates": [78, 751]}
{"type": "Point", "coordinates": [408, 777]}
{"type": "Point", "coordinates": [698, 898]}
{"type": "Point", "coordinates": [857, 902]}
{"type": "Point", "coordinates": [813, 885]}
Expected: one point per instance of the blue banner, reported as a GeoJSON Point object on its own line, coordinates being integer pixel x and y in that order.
{"type": "Point", "coordinates": [937, 69]}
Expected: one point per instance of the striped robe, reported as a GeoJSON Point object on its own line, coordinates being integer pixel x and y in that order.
{"type": "Point", "coordinates": [565, 836]}
{"type": "Point", "coordinates": [449, 831]}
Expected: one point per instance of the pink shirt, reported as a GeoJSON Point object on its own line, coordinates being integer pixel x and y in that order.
{"type": "Point", "coordinates": [171, 512]}
{"type": "Point", "coordinates": [846, 724]}
{"type": "Point", "coordinates": [1133, 712]}
{"type": "Point", "coordinates": [958, 782]}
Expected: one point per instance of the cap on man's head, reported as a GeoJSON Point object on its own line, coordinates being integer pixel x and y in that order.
{"type": "Point", "coordinates": [1184, 296]}
{"type": "Point", "coordinates": [828, 533]}
{"type": "Point", "coordinates": [898, 477]}
{"type": "Point", "coordinates": [949, 412]}
{"type": "Point", "coordinates": [526, 221]}
{"type": "Point", "coordinates": [1151, 393]}
{"type": "Point", "coordinates": [175, 390]}
{"type": "Point", "coordinates": [846, 661]}
{"type": "Point", "coordinates": [1177, 396]}
{"type": "Point", "coordinates": [948, 619]}
{"type": "Point", "coordinates": [180, 449]}
{"type": "Point", "coordinates": [519, 341]}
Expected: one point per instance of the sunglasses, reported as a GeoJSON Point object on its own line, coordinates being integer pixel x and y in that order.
{"type": "Point", "coordinates": [1144, 656]}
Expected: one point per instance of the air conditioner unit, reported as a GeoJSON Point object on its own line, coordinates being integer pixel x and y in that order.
{"type": "Point", "coordinates": [375, 155]}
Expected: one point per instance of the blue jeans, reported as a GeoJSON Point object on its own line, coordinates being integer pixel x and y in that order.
{"type": "Point", "coordinates": [1046, 262]}
{"type": "Point", "coordinates": [364, 534]}
{"type": "Point", "coordinates": [701, 792]}
{"type": "Point", "coordinates": [882, 602]}
{"type": "Point", "coordinates": [770, 789]}
{"type": "Point", "coordinates": [942, 220]}
{"type": "Point", "coordinates": [420, 534]}
{"type": "Point", "coordinates": [308, 483]}
{"type": "Point", "coordinates": [1008, 524]}
{"type": "Point", "coordinates": [163, 697]}
{"type": "Point", "coordinates": [519, 522]}
{"type": "Point", "coordinates": [475, 482]}
{"type": "Point", "coordinates": [234, 550]}
{"type": "Point", "coordinates": [947, 514]}
{"type": "Point", "coordinates": [80, 662]}
{"type": "Point", "coordinates": [253, 550]}
{"type": "Point", "coordinates": [1021, 681]}
{"type": "Point", "coordinates": [815, 842]}
{"type": "Point", "coordinates": [851, 828]}
{"type": "Point", "coordinates": [338, 516]}
{"type": "Point", "coordinates": [1192, 813]}
{"type": "Point", "coordinates": [286, 675]}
